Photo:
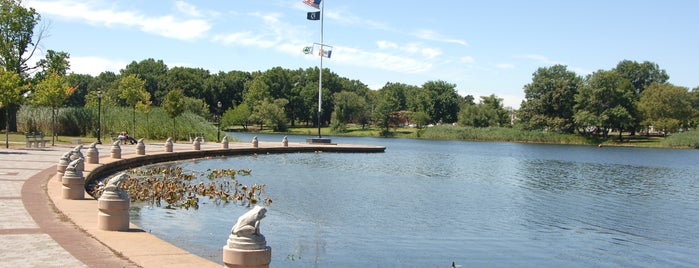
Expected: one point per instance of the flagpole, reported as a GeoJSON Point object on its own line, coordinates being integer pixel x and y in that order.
{"type": "Point", "coordinates": [320, 75]}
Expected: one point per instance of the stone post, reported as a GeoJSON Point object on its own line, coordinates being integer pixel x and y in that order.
{"type": "Point", "coordinates": [246, 246]}
{"type": "Point", "coordinates": [285, 142]}
{"type": "Point", "coordinates": [196, 145]}
{"type": "Point", "coordinates": [224, 142]}
{"type": "Point", "coordinates": [76, 153]}
{"type": "Point", "coordinates": [114, 205]}
{"type": "Point", "coordinates": [254, 142]}
{"type": "Point", "coordinates": [140, 147]}
{"type": "Point", "coordinates": [93, 155]}
{"type": "Point", "coordinates": [73, 181]}
{"type": "Point", "coordinates": [168, 145]}
{"type": "Point", "coordinates": [116, 150]}
{"type": "Point", "coordinates": [63, 163]}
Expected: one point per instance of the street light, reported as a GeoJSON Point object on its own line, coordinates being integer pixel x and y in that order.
{"type": "Point", "coordinates": [99, 116]}
{"type": "Point", "coordinates": [218, 136]}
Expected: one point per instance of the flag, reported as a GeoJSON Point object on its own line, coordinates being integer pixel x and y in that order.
{"type": "Point", "coordinates": [313, 3]}
{"type": "Point", "coordinates": [325, 53]}
{"type": "Point", "coordinates": [307, 50]}
{"type": "Point", "coordinates": [313, 15]}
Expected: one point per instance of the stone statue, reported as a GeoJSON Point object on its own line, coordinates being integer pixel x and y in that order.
{"type": "Point", "coordinates": [93, 145]}
{"type": "Point", "coordinates": [249, 223]}
{"type": "Point", "coordinates": [73, 167]}
{"type": "Point", "coordinates": [114, 183]}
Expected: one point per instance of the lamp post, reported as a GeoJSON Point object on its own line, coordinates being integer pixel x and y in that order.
{"type": "Point", "coordinates": [99, 116]}
{"type": "Point", "coordinates": [218, 136]}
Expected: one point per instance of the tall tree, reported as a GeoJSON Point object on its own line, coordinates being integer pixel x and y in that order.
{"type": "Point", "coordinates": [446, 101]}
{"type": "Point", "coordinates": [173, 104]}
{"type": "Point", "coordinates": [133, 92]}
{"type": "Point", "coordinates": [54, 62]}
{"type": "Point", "coordinates": [153, 73]}
{"type": "Point", "coordinates": [606, 98]}
{"type": "Point", "coordinates": [666, 107]}
{"type": "Point", "coordinates": [10, 94]}
{"type": "Point", "coordinates": [642, 74]}
{"type": "Point", "coordinates": [18, 42]}
{"type": "Point", "coordinates": [549, 99]}
{"type": "Point", "coordinates": [52, 92]}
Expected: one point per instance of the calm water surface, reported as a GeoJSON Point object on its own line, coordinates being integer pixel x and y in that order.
{"type": "Point", "coordinates": [428, 203]}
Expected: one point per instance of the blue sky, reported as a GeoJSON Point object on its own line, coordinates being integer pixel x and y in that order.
{"type": "Point", "coordinates": [484, 47]}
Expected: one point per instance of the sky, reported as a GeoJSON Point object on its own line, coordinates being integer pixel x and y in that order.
{"type": "Point", "coordinates": [482, 47]}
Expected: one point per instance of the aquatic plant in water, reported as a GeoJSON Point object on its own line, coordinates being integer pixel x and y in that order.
{"type": "Point", "coordinates": [176, 188]}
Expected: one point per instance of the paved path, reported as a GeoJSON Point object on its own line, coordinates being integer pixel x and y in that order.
{"type": "Point", "coordinates": [33, 233]}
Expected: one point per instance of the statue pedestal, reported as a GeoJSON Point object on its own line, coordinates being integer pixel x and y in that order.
{"type": "Point", "coordinates": [73, 186]}
{"type": "Point", "coordinates": [116, 152]}
{"type": "Point", "coordinates": [233, 257]}
{"type": "Point", "coordinates": [141, 149]}
{"type": "Point", "coordinates": [93, 156]}
{"type": "Point", "coordinates": [196, 145]}
{"type": "Point", "coordinates": [113, 212]}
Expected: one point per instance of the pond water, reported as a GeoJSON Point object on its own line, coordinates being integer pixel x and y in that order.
{"type": "Point", "coordinates": [430, 203]}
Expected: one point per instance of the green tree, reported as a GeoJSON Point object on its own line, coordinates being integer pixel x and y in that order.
{"type": "Point", "coordinates": [10, 94]}
{"type": "Point", "coordinates": [54, 62]}
{"type": "Point", "coordinates": [445, 101]}
{"type": "Point", "coordinates": [133, 92]}
{"type": "Point", "coordinates": [153, 73]}
{"type": "Point", "coordinates": [608, 97]}
{"type": "Point", "coordinates": [665, 107]}
{"type": "Point", "coordinates": [52, 92]}
{"type": "Point", "coordinates": [18, 42]}
{"type": "Point", "coordinates": [272, 114]}
{"type": "Point", "coordinates": [240, 115]}
{"type": "Point", "coordinates": [495, 105]}
{"type": "Point", "coordinates": [642, 74]}
{"type": "Point", "coordinates": [349, 108]}
{"type": "Point", "coordinates": [173, 104]}
{"type": "Point", "coordinates": [549, 99]}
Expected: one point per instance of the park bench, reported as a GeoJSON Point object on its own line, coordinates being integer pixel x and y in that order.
{"type": "Point", "coordinates": [35, 139]}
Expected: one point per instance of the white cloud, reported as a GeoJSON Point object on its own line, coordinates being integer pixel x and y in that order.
{"type": "Point", "coordinates": [467, 59]}
{"type": "Point", "coordinates": [505, 66]}
{"type": "Point", "coordinates": [95, 65]}
{"type": "Point", "coordinates": [187, 9]}
{"type": "Point", "coordinates": [434, 36]}
{"type": "Point", "coordinates": [379, 60]}
{"type": "Point", "coordinates": [167, 26]}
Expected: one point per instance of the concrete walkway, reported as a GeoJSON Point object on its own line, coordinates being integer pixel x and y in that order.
{"type": "Point", "coordinates": [40, 229]}
{"type": "Point", "coordinates": [35, 231]}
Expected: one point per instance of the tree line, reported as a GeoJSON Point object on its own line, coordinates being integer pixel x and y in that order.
{"type": "Point", "coordinates": [631, 97]}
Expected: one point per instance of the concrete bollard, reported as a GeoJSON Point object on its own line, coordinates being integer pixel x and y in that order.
{"type": "Point", "coordinates": [168, 145]}
{"type": "Point", "coordinates": [254, 142]}
{"type": "Point", "coordinates": [93, 155]}
{"type": "Point", "coordinates": [63, 163]}
{"type": "Point", "coordinates": [285, 142]}
{"type": "Point", "coordinates": [114, 205]}
{"type": "Point", "coordinates": [73, 181]}
{"type": "Point", "coordinates": [196, 145]}
{"type": "Point", "coordinates": [224, 142]}
{"type": "Point", "coordinates": [116, 150]}
{"type": "Point", "coordinates": [140, 147]}
{"type": "Point", "coordinates": [246, 246]}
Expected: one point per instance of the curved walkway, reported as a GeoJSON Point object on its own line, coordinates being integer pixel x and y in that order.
{"type": "Point", "coordinates": [40, 229]}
